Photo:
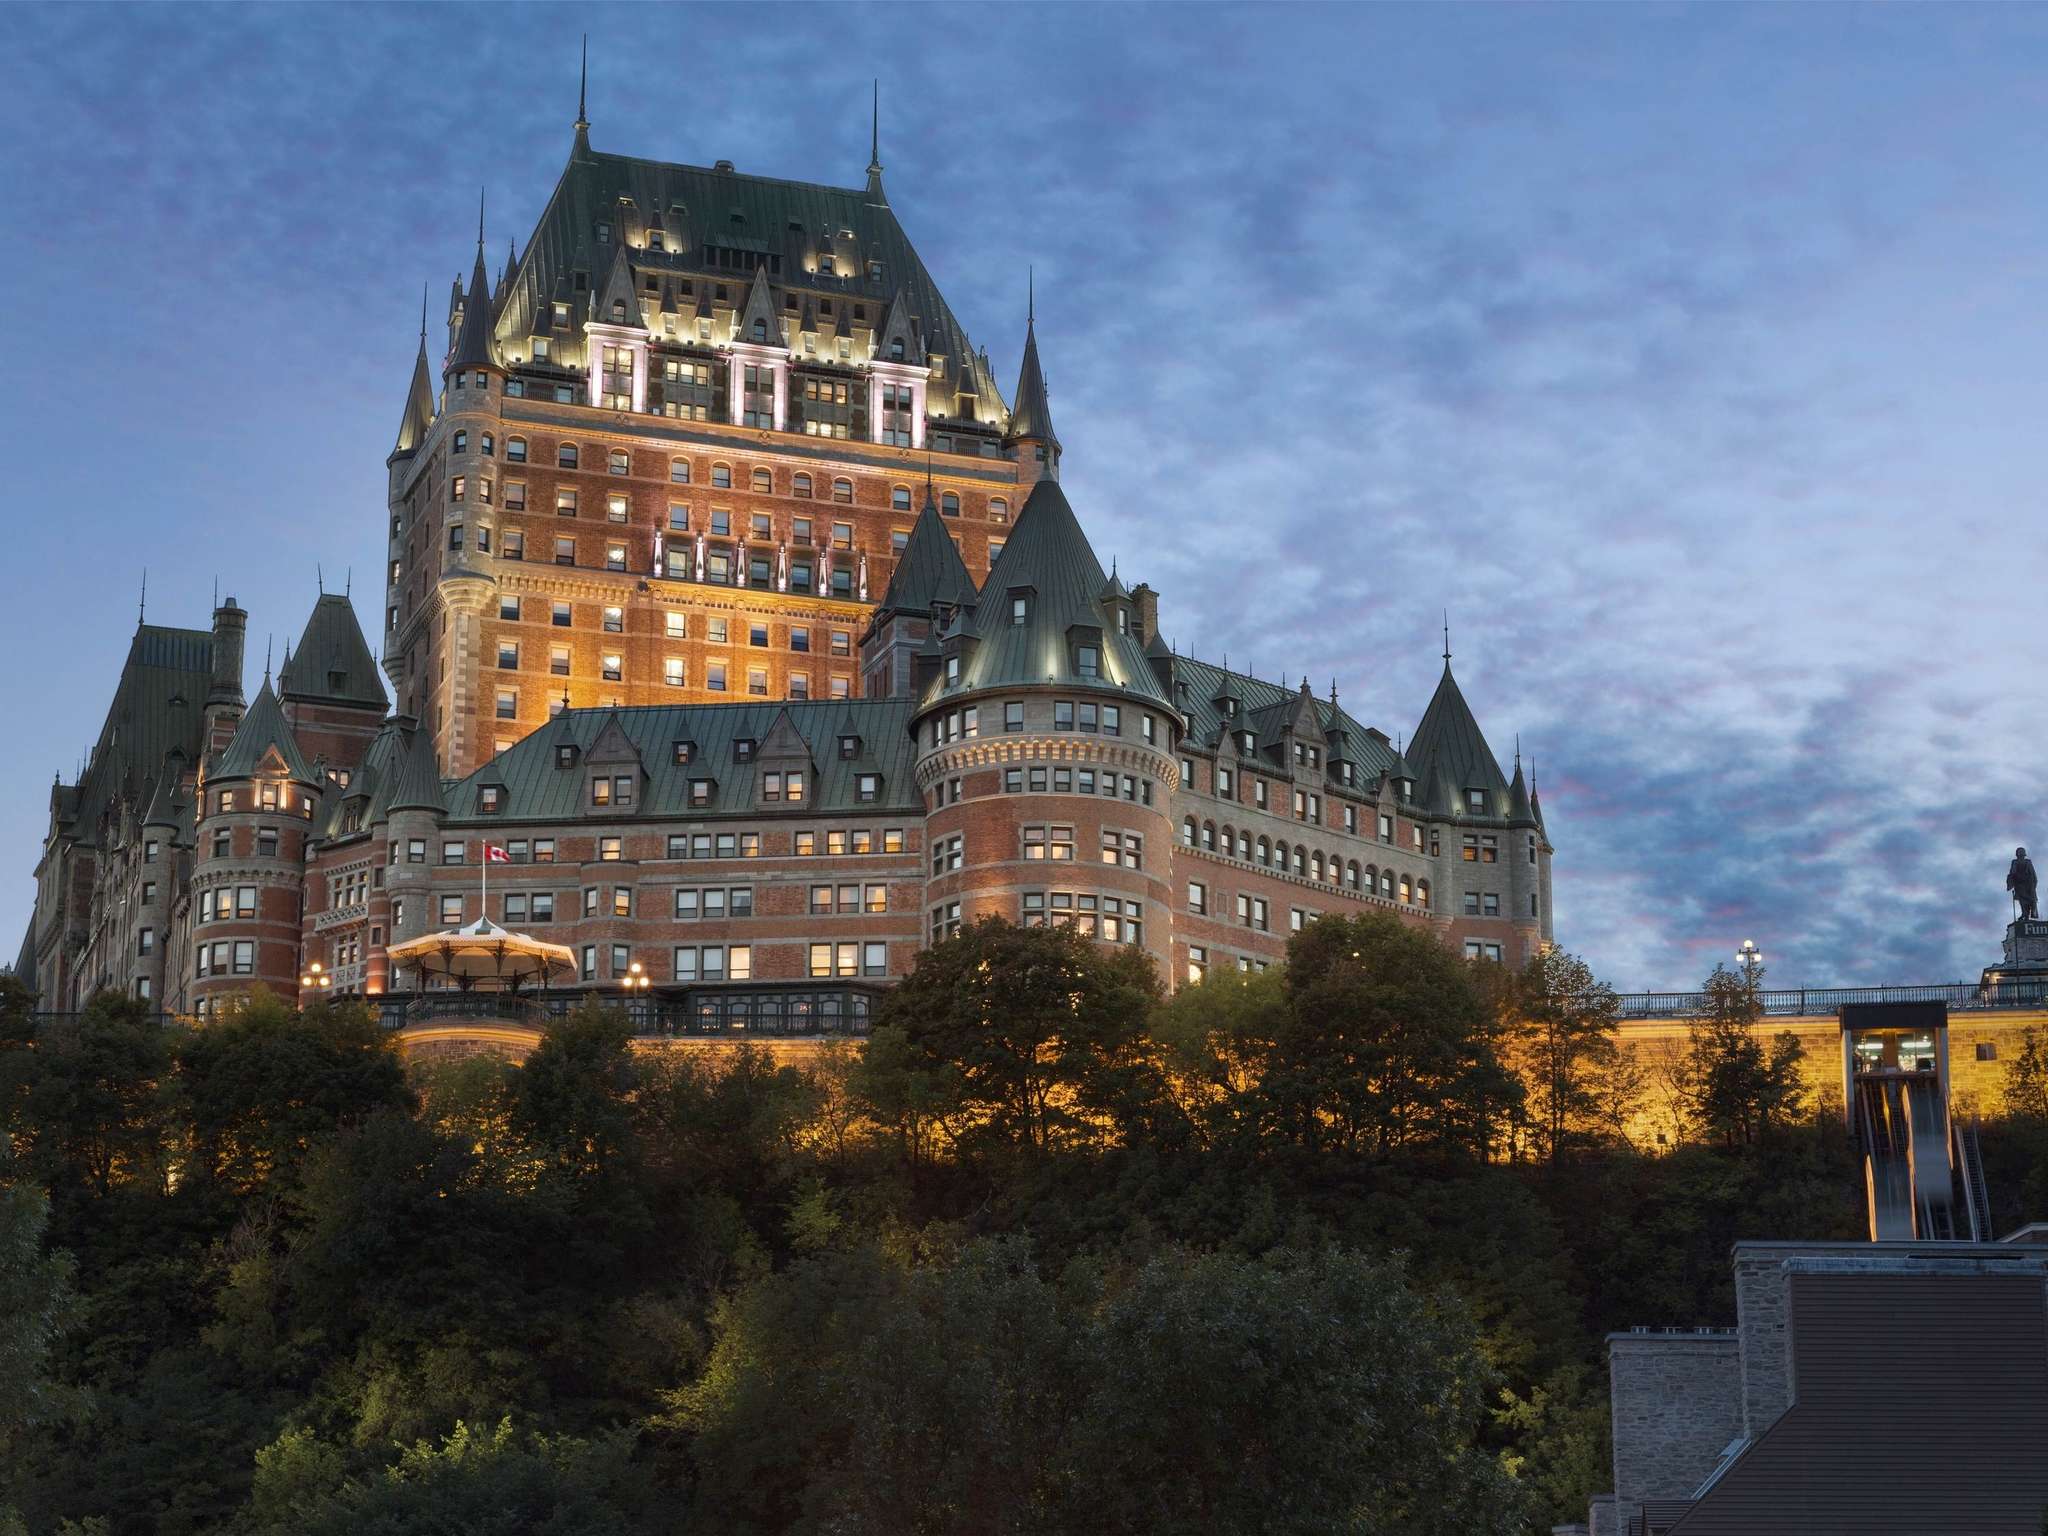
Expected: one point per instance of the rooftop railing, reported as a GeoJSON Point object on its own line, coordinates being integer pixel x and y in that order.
{"type": "Point", "coordinates": [1818, 1002]}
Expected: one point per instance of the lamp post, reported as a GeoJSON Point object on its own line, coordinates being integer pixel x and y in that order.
{"type": "Point", "coordinates": [635, 983]}
{"type": "Point", "coordinates": [1751, 959]}
{"type": "Point", "coordinates": [315, 979]}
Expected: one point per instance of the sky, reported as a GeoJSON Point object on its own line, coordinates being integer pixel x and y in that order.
{"type": "Point", "coordinates": [1690, 358]}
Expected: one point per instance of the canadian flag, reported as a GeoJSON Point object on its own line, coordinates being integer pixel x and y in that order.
{"type": "Point", "coordinates": [493, 854]}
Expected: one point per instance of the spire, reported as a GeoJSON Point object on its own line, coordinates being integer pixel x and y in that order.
{"type": "Point", "coordinates": [419, 396]}
{"type": "Point", "coordinates": [760, 310]}
{"type": "Point", "coordinates": [929, 570]}
{"type": "Point", "coordinates": [1031, 416]}
{"type": "Point", "coordinates": [333, 664]}
{"type": "Point", "coordinates": [1519, 807]}
{"type": "Point", "coordinates": [261, 731]}
{"type": "Point", "coordinates": [142, 607]}
{"type": "Point", "coordinates": [1449, 744]}
{"type": "Point", "coordinates": [1447, 639]}
{"type": "Point", "coordinates": [875, 195]}
{"type": "Point", "coordinates": [476, 346]}
{"type": "Point", "coordinates": [582, 85]}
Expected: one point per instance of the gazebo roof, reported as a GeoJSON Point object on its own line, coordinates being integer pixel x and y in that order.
{"type": "Point", "coordinates": [483, 953]}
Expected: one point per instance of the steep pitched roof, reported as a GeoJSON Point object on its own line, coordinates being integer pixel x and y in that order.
{"type": "Point", "coordinates": [475, 345]}
{"type": "Point", "coordinates": [1031, 417]}
{"type": "Point", "coordinates": [783, 225]}
{"type": "Point", "coordinates": [896, 327]}
{"type": "Point", "coordinates": [333, 663]}
{"type": "Point", "coordinates": [419, 405]}
{"type": "Point", "coordinates": [929, 570]}
{"type": "Point", "coordinates": [537, 790]}
{"type": "Point", "coordinates": [1203, 685]}
{"type": "Point", "coordinates": [1449, 741]}
{"type": "Point", "coordinates": [1048, 557]}
{"type": "Point", "coordinates": [165, 803]}
{"type": "Point", "coordinates": [261, 731]}
{"type": "Point", "coordinates": [158, 706]}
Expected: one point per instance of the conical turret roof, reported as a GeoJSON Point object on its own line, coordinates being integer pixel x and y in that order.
{"type": "Point", "coordinates": [1031, 415]}
{"type": "Point", "coordinates": [333, 663]}
{"type": "Point", "coordinates": [1047, 560]}
{"type": "Point", "coordinates": [1449, 742]}
{"type": "Point", "coordinates": [1519, 808]}
{"type": "Point", "coordinates": [416, 783]}
{"type": "Point", "coordinates": [476, 345]}
{"type": "Point", "coordinates": [419, 405]}
{"type": "Point", "coordinates": [929, 570]}
{"type": "Point", "coordinates": [261, 730]}
{"type": "Point", "coordinates": [166, 803]}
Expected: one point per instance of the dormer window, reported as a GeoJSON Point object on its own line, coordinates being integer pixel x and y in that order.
{"type": "Point", "coordinates": [1229, 708]}
{"type": "Point", "coordinates": [1087, 661]}
{"type": "Point", "coordinates": [565, 756]}
{"type": "Point", "coordinates": [760, 330]}
{"type": "Point", "coordinates": [490, 799]}
{"type": "Point", "coordinates": [685, 752]}
{"type": "Point", "coordinates": [849, 746]}
{"type": "Point", "coordinates": [952, 669]}
{"type": "Point", "coordinates": [618, 311]}
{"type": "Point", "coordinates": [1475, 801]}
{"type": "Point", "coordinates": [700, 792]}
{"type": "Point", "coordinates": [1020, 610]}
{"type": "Point", "coordinates": [743, 750]}
{"type": "Point", "coordinates": [867, 786]}
{"type": "Point", "coordinates": [604, 231]}
{"type": "Point", "coordinates": [896, 350]}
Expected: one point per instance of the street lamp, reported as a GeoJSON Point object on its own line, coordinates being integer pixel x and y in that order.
{"type": "Point", "coordinates": [636, 979]}
{"type": "Point", "coordinates": [315, 978]}
{"type": "Point", "coordinates": [1751, 959]}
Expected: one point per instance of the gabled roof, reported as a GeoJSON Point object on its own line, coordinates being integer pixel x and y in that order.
{"type": "Point", "coordinates": [896, 326]}
{"type": "Point", "coordinates": [261, 732]}
{"type": "Point", "coordinates": [618, 288]}
{"type": "Point", "coordinates": [1031, 417]}
{"type": "Point", "coordinates": [419, 405]}
{"type": "Point", "coordinates": [332, 663]}
{"type": "Point", "coordinates": [536, 790]}
{"type": "Point", "coordinates": [165, 804]}
{"type": "Point", "coordinates": [475, 345]}
{"type": "Point", "coordinates": [761, 307]}
{"type": "Point", "coordinates": [783, 224]}
{"type": "Point", "coordinates": [1449, 741]}
{"type": "Point", "coordinates": [929, 570]}
{"type": "Point", "coordinates": [1202, 684]}
{"type": "Point", "coordinates": [1048, 556]}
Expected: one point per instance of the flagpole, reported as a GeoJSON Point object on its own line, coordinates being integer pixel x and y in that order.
{"type": "Point", "coordinates": [484, 848]}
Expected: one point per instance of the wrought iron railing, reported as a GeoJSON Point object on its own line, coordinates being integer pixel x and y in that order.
{"type": "Point", "coordinates": [771, 1011]}
{"type": "Point", "coordinates": [1818, 1002]}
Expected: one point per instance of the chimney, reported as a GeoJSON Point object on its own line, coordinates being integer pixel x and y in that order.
{"type": "Point", "coordinates": [1148, 612]}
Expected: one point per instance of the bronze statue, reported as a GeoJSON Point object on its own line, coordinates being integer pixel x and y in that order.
{"type": "Point", "coordinates": [2019, 879]}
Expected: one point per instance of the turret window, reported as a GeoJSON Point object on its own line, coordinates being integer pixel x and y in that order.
{"type": "Point", "coordinates": [1020, 610]}
{"type": "Point", "coordinates": [487, 445]}
{"type": "Point", "coordinates": [1087, 661]}
{"type": "Point", "coordinates": [565, 456]}
{"type": "Point", "coordinates": [1475, 801]}
{"type": "Point", "coordinates": [461, 443]}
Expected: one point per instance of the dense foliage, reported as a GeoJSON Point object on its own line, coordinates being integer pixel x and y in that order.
{"type": "Point", "coordinates": [1329, 1248]}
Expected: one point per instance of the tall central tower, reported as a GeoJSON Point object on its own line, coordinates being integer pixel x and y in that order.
{"type": "Point", "coordinates": [676, 449]}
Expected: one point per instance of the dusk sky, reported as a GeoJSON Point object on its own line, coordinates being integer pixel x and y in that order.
{"type": "Point", "coordinates": [1691, 358]}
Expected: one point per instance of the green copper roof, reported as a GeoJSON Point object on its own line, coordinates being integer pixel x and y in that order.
{"type": "Point", "coordinates": [1449, 741]}
{"type": "Point", "coordinates": [1266, 709]}
{"type": "Point", "coordinates": [262, 729]}
{"type": "Point", "coordinates": [537, 789]}
{"type": "Point", "coordinates": [419, 406]}
{"type": "Point", "coordinates": [475, 346]}
{"type": "Point", "coordinates": [711, 220]}
{"type": "Point", "coordinates": [332, 663]}
{"type": "Point", "coordinates": [159, 705]}
{"type": "Point", "coordinates": [929, 570]}
{"type": "Point", "coordinates": [414, 776]}
{"type": "Point", "coordinates": [1048, 563]}
{"type": "Point", "coordinates": [1032, 416]}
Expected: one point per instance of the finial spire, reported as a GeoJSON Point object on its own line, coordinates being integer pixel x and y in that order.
{"type": "Point", "coordinates": [319, 580]}
{"type": "Point", "coordinates": [1447, 637]}
{"type": "Point", "coordinates": [423, 316]}
{"type": "Point", "coordinates": [479, 223]}
{"type": "Point", "coordinates": [582, 82]}
{"type": "Point", "coordinates": [1030, 296]}
{"type": "Point", "coordinates": [1518, 751]}
{"type": "Point", "coordinates": [142, 607]}
{"type": "Point", "coordinates": [875, 133]}
{"type": "Point", "coordinates": [266, 659]}
{"type": "Point", "coordinates": [348, 589]}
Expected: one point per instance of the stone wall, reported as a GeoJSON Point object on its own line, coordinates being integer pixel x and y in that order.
{"type": "Point", "coordinates": [1677, 1400]}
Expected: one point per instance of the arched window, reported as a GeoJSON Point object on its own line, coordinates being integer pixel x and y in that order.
{"type": "Point", "coordinates": [515, 449]}
{"type": "Point", "coordinates": [1209, 835]}
{"type": "Point", "coordinates": [1300, 859]}
{"type": "Point", "coordinates": [1372, 877]}
{"type": "Point", "coordinates": [842, 491]}
{"type": "Point", "coordinates": [461, 444]}
{"type": "Point", "coordinates": [565, 456]}
{"type": "Point", "coordinates": [1229, 841]}
{"type": "Point", "coordinates": [1422, 893]}
{"type": "Point", "coordinates": [1316, 865]}
{"type": "Point", "coordinates": [721, 477]}
{"type": "Point", "coordinates": [899, 498]}
{"type": "Point", "coordinates": [949, 504]}
{"type": "Point", "coordinates": [1351, 874]}
{"type": "Point", "coordinates": [800, 485]}
{"type": "Point", "coordinates": [762, 481]}
{"type": "Point", "coordinates": [621, 462]}
{"type": "Point", "coordinates": [1386, 882]}
{"type": "Point", "coordinates": [490, 445]}
{"type": "Point", "coordinates": [1407, 894]}
{"type": "Point", "coordinates": [1265, 852]}
{"type": "Point", "coordinates": [679, 471]}
{"type": "Point", "coordinates": [998, 510]}
{"type": "Point", "coordinates": [1187, 832]}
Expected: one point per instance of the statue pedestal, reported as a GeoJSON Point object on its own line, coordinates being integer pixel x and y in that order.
{"type": "Point", "coordinates": [2026, 954]}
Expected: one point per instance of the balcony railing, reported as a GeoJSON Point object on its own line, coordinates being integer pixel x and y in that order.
{"type": "Point", "coordinates": [771, 1011]}
{"type": "Point", "coordinates": [1818, 1002]}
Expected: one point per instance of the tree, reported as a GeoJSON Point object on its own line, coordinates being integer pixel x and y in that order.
{"type": "Point", "coordinates": [1220, 1036]}
{"type": "Point", "coordinates": [94, 1108]}
{"type": "Point", "coordinates": [35, 1300]}
{"type": "Point", "coordinates": [1559, 1023]}
{"type": "Point", "coordinates": [2026, 1084]}
{"type": "Point", "coordinates": [1388, 1045]}
{"type": "Point", "coordinates": [1737, 1089]}
{"type": "Point", "coordinates": [1009, 1039]}
{"type": "Point", "coordinates": [858, 1393]}
{"type": "Point", "coordinates": [263, 1081]}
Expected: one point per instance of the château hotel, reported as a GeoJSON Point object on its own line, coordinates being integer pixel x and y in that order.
{"type": "Point", "coordinates": [731, 600]}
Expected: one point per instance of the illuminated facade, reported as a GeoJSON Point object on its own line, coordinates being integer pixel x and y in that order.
{"type": "Point", "coordinates": [729, 597]}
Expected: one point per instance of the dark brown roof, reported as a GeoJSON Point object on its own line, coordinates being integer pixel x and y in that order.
{"type": "Point", "coordinates": [1921, 1406]}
